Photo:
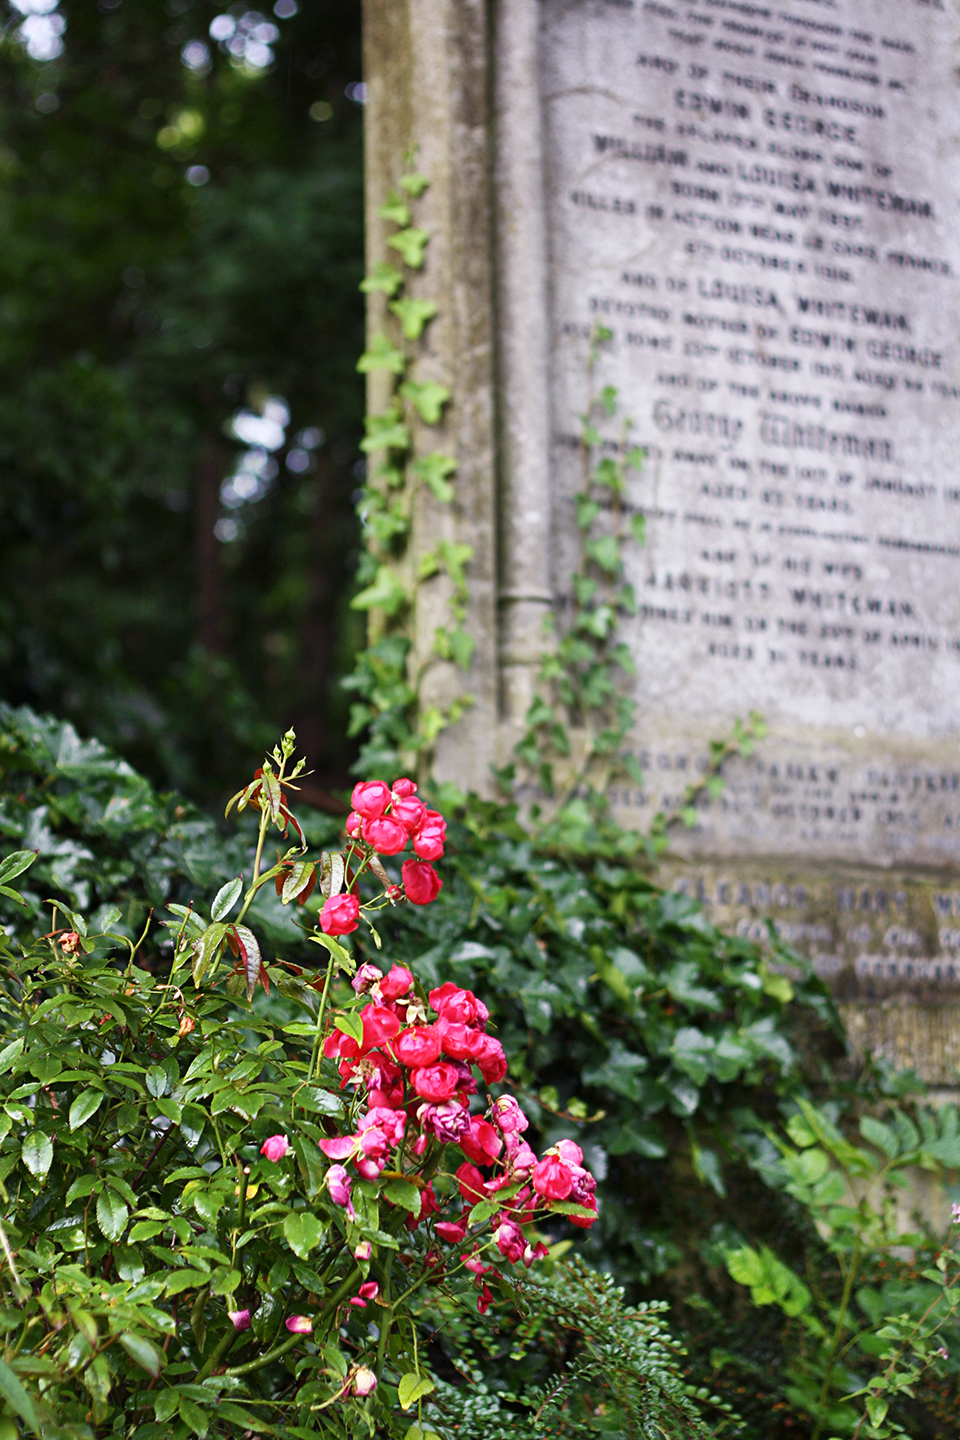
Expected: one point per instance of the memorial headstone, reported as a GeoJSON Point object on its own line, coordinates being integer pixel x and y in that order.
{"type": "Point", "coordinates": [761, 202]}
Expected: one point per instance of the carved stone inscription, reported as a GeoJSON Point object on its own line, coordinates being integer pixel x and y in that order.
{"type": "Point", "coordinates": [760, 202]}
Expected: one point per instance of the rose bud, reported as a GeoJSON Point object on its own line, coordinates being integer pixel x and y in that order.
{"type": "Point", "coordinates": [298, 1324]}
{"type": "Point", "coordinates": [340, 915]}
{"type": "Point", "coordinates": [275, 1147]}
{"type": "Point", "coordinates": [352, 827]}
{"type": "Point", "coordinates": [240, 1318]}
{"type": "Point", "coordinates": [370, 798]}
{"type": "Point", "coordinates": [385, 835]}
{"type": "Point", "coordinates": [366, 977]}
{"type": "Point", "coordinates": [429, 839]}
{"type": "Point", "coordinates": [364, 1382]}
{"type": "Point", "coordinates": [402, 788]}
{"type": "Point", "coordinates": [421, 883]}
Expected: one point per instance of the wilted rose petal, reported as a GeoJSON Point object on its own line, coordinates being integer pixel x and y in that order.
{"type": "Point", "coordinates": [240, 1318]}
{"type": "Point", "coordinates": [298, 1324]}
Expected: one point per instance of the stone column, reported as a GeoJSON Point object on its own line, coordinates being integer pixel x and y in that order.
{"type": "Point", "coordinates": [523, 341]}
{"type": "Point", "coordinates": [426, 68]}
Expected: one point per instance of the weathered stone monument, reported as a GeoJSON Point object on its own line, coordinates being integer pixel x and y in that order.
{"type": "Point", "coordinates": [761, 200]}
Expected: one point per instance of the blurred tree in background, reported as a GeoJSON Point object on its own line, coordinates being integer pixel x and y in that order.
{"type": "Point", "coordinates": [180, 248]}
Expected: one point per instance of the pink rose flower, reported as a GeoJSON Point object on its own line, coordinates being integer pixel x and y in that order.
{"type": "Point", "coordinates": [385, 835]}
{"type": "Point", "coordinates": [370, 799]}
{"type": "Point", "coordinates": [417, 1046]}
{"type": "Point", "coordinates": [421, 883]}
{"type": "Point", "coordinates": [491, 1060]}
{"type": "Point", "coordinates": [552, 1179]}
{"type": "Point", "coordinates": [510, 1240]}
{"type": "Point", "coordinates": [275, 1147]}
{"type": "Point", "coordinates": [402, 788]}
{"type": "Point", "coordinates": [379, 1024]}
{"type": "Point", "coordinates": [509, 1116]}
{"type": "Point", "coordinates": [398, 981]}
{"type": "Point", "coordinates": [340, 915]}
{"type": "Point", "coordinates": [480, 1142]}
{"type": "Point", "coordinates": [436, 1082]}
{"type": "Point", "coordinates": [409, 812]}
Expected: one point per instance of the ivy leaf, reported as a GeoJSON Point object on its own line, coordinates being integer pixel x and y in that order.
{"type": "Point", "coordinates": [36, 1152]}
{"type": "Point", "coordinates": [414, 184]}
{"type": "Point", "coordinates": [387, 593]}
{"type": "Point", "coordinates": [428, 397]}
{"type": "Point", "coordinates": [382, 354]}
{"type": "Point", "coordinates": [384, 277]}
{"type": "Point", "coordinates": [413, 315]}
{"type": "Point", "coordinates": [112, 1214]}
{"type": "Point", "coordinates": [225, 898]}
{"type": "Point", "coordinates": [411, 244]}
{"type": "Point", "coordinates": [385, 432]}
{"type": "Point", "coordinates": [395, 209]}
{"type": "Point", "coordinates": [433, 470]}
{"type": "Point", "coordinates": [86, 1105]}
{"type": "Point", "coordinates": [412, 1388]}
{"type": "Point", "coordinates": [249, 956]}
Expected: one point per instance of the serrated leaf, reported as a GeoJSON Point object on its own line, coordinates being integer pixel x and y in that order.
{"type": "Point", "coordinates": [303, 1232]}
{"type": "Point", "coordinates": [87, 1104]}
{"type": "Point", "coordinates": [483, 1210]}
{"type": "Point", "coordinates": [17, 1397]}
{"type": "Point", "coordinates": [9, 1055]}
{"type": "Point", "coordinates": [15, 863]}
{"type": "Point", "coordinates": [165, 1405]}
{"type": "Point", "coordinates": [192, 1416]}
{"type": "Point", "coordinates": [332, 871]}
{"type": "Point", "coordinates": [36, 1153]}
{"type": "Point", "coordinates": [225, 898]}
{"type": "Point", "coordinates": [112, 1214]}
{"type": "Point", "coordinates": [342, 956]}
{"type": "Point", "coordinates": [405, 1193]}
{"type": "Point", "coordinates": [349, 1023]}
{"type": "Point", "coordinates": [297, 881]}
{"type": "Point", "coordinates": [144, 1353]}
{"type": "Point", "coordinates": [206, 949]}
{"type": "Point", "coordinates": [249, 956]}
{"type": "Point", "coordinates": [412, 1388]}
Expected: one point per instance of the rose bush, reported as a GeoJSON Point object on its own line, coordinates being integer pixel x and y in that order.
{"type": "Point", "coordinates": [233, 1186]}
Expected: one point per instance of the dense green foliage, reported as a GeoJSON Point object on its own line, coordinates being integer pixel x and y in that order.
{"type": "Point", "coordinates": [142, 312]}
{"type": "Point", "coordinates": [679, 1058]}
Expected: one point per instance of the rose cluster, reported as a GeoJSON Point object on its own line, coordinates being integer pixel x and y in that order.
{"type": "Point", "coordinates": [383, 821]}
{"type": "Point", "coordinates": [416, 1075]}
